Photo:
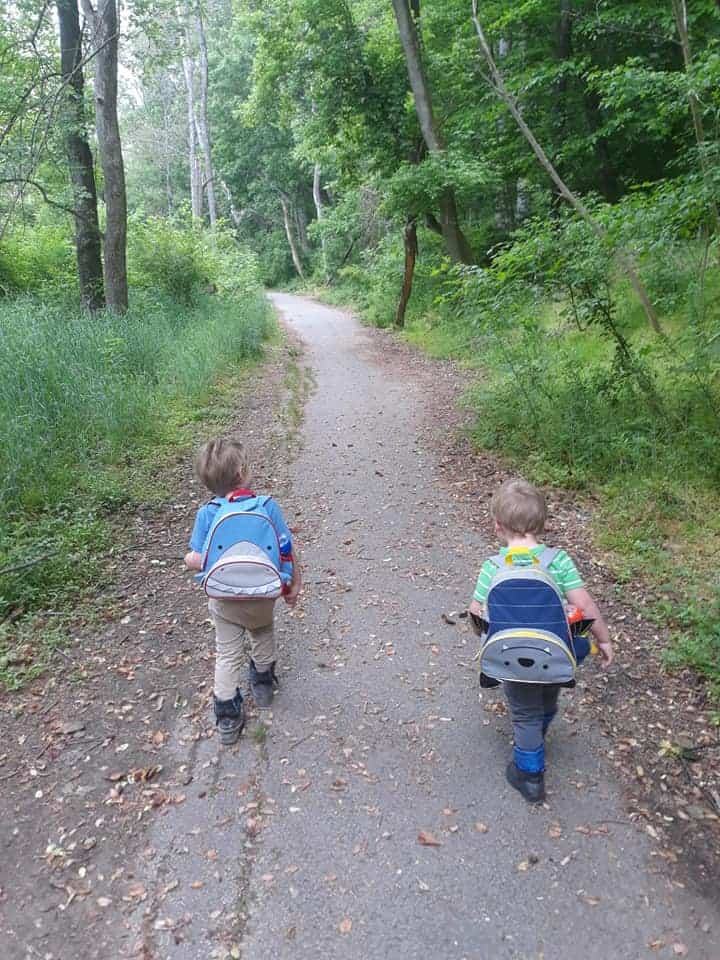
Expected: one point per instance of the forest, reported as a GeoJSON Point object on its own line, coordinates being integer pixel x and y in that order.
{"type": "Point", "coordinates": [531, 189]}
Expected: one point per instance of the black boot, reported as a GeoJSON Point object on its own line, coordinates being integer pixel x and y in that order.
{"type": "Point", "coordinates": [230, 718]}
{"type": "Point", "coordinates": [530, 785]}
{"type": "Point", "coordinates": [262, 685]}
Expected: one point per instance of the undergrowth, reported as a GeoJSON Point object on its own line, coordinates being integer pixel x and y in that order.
{"type": "Point", "coordinates": [573, 389]}
{"type": "Point", "coordinates": [92, 409]}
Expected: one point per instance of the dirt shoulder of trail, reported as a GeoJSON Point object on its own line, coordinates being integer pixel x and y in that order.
{"type": "Point", "coordinates": [664, 744]}
{"type": "Point", "coordinates": [85, 764]}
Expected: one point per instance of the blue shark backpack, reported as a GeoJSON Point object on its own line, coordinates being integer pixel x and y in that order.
{"type": "Point", "coordinates": [243, 556]}
{"type": "Point", "coordinates": [528, 638]}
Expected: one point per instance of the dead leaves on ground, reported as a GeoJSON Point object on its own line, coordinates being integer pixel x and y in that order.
{"type": "Point", "coordinates": [426, 839]}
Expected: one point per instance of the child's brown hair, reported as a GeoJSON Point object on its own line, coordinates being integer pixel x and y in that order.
{"type": "Point", "coordinates": [519, 507]}
{"type": "Point", "coordinates": [223, 465]}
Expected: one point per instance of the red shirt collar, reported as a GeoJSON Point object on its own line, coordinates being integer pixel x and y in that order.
{"type": "Point", "coordinates": [240, 494]}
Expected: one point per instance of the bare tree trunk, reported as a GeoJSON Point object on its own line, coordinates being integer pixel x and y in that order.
{"type": "Point", "coordinates": [457, 246]}
{"type": "Point", "coordinates": [681, 22]}
{"type": "Point", "coordinates": [234, 212]}
{"type": "Point", "coordinates": [88, 245]}
{"type": "Point", "coordinates": [105, 28]}
{"type": "Point", "coordinates": [297, 263]}
{"type": "Point", "coordinates": [319, 213]}
{"type": "Point", "coordinates": [411, 251]}
{"type": "Point", "coordinates": [166, 150]}
{"type": "Point", "coordinates": [625, 259]}
{"type": "Point", "coordinates": [196, 198]}
{"type": "Point", "coordinates": [301, 224]}
{"type": "Point", "coordinates": [202, 121]}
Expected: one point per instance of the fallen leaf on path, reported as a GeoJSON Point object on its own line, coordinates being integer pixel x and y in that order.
{"type": "Point", "coordinates": [345, 925]}
{"type": "Point", "coordinates": [555, 831]}
{"type": "Point", "coordinates": [481, 827]}
{"type": "Point", "coordinates": [680, 950]}
{"type": "Point", "coordinates": [144, 774]}
{"type": "Point", "coordinates": [427, 840]}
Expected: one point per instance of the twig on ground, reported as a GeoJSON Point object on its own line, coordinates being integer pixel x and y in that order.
{"type": "Point", "coordinates": [28, 563]}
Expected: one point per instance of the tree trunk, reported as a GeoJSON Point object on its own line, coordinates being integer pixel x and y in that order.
{"type": "Point", "coordinates": [196, 198]}
{"type": "Point", "coordinates": [297, 263]}
{"type": "Point", "coordinates": [411, 251]}
{"type": "Point", "coordinates": [202, 121]}
{"type": "Point", "coordinates": [105, 27]}
{"type": "Point", "coordinates": [625, 259]}
{"type": "Point", "coordinates": [317, 199]}
{"type": "Point", "coordinates": [235, 215]}
{"type": "Point", "coordinates": [88, 245]}
{"type": "Point", "coordinates": [456, 244]}
{"type": "Point", "coordinates": [301, 225]}
{"type": "Point", "coordinates": [681, 22]}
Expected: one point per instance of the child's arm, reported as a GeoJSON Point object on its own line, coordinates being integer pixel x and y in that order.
{"type": "Point", "coordinates": [580, 598]}
{"type": "Point", "coordinates": [295, 585]}
{"type": "Point", "coordinates": [193, 560]}
{"type": "Point", "coordinates": [476, 609]}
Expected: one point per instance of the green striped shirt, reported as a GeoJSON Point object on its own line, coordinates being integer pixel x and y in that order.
{"type": "Point", "coordinates": [562, 570]}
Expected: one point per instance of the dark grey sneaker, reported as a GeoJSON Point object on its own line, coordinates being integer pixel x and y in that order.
{"type": "Point", "coordinates": [530, 785]}
{"type": "Point", "coordinates": [262, 685]}
{"type": "Point", "coordinates": [229, 718]}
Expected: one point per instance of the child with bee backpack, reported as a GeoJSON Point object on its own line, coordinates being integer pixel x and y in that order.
{"type": "Point", "coordinates": [523, 605]}
{"type": "Point", "coordinates": [243, 552]}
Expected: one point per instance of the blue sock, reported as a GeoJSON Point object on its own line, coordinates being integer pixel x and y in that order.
{"type": "Point", "coordinates": [530, 761]}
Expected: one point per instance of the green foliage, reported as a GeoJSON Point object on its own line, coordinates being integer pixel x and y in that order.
{"type": "Point", "coordinates": [36, 260]}
{"type": "Point", "coordinates": [695, 628]}
{"type": "Point", "coordinates": [183, 262]}
{"type": "Point", "coordinates": [83, 394]}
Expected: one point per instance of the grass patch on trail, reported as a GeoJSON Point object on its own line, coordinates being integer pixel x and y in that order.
{"type": "Point", "coordinates": [93, 410]}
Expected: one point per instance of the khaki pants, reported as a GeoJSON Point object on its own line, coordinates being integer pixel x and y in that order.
{"type": "Point", "coordinates": [232, 619]}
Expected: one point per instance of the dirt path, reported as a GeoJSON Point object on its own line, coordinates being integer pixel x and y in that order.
{"type": "Point", "coordinates": [302, 842]}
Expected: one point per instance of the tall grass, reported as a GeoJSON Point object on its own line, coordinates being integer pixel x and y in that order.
{"type": "Point", "coordinates": [87, 402]}
{"type": "Point", "coordinates": [78, 390]}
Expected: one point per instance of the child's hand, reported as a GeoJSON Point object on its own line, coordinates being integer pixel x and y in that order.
{"type": "Point", "coordinates": [193, 560]}
{"type": "Point", "coordinates": [607, 653]}
{"type": "Point", "coordinates": [291, 597]}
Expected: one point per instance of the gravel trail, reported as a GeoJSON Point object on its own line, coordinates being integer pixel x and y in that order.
{"type": "Point", "coordinates": [127, 831]}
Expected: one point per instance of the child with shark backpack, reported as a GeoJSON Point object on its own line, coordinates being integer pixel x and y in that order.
{"type": "Point", "coordinates": [243, 550]}
{"type": "Point", "coordinates": [532, 609]}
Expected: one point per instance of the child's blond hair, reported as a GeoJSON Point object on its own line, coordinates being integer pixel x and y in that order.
{"type": "Point", "coordinates": [223, 465]}
{"type": "Point", "coordinates": [519, 507]}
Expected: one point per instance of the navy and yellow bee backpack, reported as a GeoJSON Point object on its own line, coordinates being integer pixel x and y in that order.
{"type": "Point", "coordinates": [528, 639]}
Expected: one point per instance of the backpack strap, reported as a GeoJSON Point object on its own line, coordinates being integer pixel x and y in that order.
{"type": "Point", "coordinates": [547, 557]}
{"type": "Point", "coordinates": [543, 561]}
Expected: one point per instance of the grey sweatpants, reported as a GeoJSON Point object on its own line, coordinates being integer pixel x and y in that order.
{"type": "Point", "coordinates": [234, 619]}
{"type": "Point", "coordinates": [532, 707]}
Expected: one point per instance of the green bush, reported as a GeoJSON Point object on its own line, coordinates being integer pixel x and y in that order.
{"type": "Point", "coordinates": [169, 260]}
{"type": "Point", "coordinates": [37, 259]}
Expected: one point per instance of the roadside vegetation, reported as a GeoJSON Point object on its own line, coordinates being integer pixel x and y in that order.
{"type": "Point", "coordinates": [93, 405]}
